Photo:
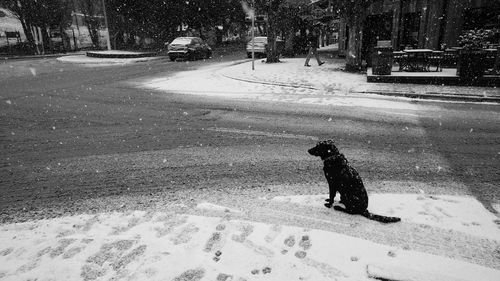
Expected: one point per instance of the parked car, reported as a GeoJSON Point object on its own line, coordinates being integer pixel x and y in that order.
{"type": "Point", "coordinates": [260, 48]}
{"type": "Point", "coordinates": [190, 48]}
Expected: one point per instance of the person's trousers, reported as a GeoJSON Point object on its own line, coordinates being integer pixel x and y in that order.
{"type": "Point", "coordinates": [312, 52]}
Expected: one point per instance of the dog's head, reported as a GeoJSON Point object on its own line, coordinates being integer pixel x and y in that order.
{"type": "Point", "coordinates": [324, 149]}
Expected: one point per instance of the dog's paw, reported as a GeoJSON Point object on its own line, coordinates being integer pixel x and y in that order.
{"type": "Point", "coordinates": [338, 208]}
{"type": "Point", "coordinates": [328, 205]}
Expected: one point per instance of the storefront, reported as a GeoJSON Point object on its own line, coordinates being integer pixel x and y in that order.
{"type": "Point", "coordinates": [430, 24]}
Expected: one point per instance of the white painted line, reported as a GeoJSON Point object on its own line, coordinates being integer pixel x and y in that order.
{"type": "Point", "coordinates": [261, 133]}
{"type": "Point", "coordinates": [399, 113]}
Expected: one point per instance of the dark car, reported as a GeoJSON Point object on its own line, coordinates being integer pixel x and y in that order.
{"type": "Point", "coordinates": [190, 48]}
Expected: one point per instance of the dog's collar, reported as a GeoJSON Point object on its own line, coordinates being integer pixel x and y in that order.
{"type": "Point", "coordinates": [333, 157]}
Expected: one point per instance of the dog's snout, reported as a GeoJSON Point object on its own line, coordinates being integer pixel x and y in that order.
{"type": "Point", "coordinates": [312, 151]}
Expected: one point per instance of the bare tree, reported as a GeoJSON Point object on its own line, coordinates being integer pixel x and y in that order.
{"type": "Point", "coordinates": [277, 14]}
{"type": "Point", "coordinates": [44, 14]}
{"type": "Point", "coordinates": [21, 9]}
{"type": "Point", "coordinates": [355, 13]}
{"type": "Point", "coordinates": [90, 10]}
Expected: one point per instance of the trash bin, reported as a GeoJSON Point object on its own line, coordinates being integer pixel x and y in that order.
{"type": "Point", "coordinates": [471, 64]}
{"type": "Point", "coordinates": [382, 61]}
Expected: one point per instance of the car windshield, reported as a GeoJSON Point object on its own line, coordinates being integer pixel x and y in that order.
{"type": "Point", "coordinates": [181, 41]}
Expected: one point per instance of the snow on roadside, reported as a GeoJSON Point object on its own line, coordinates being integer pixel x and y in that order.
{"type": "Point", "coordinates": [149, 246]}
{"type": "Point", "coordinates": [238, 81]}
{"type": "Point", "coordinates": [460, 213]}
{"type": "Point", "coordinates": [91, 61]}
{"type": "Point", "coordinates": [214, 207]}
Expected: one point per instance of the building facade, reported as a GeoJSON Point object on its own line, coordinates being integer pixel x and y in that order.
{"type": "Point", "coordinates": [431, 24]}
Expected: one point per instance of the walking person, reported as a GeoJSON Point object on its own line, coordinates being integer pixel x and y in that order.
{"type": "Point", "coordinates": [312, 43]}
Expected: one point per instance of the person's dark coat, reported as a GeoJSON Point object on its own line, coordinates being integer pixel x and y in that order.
{"type": "Point", "coordinates": [312, 40]}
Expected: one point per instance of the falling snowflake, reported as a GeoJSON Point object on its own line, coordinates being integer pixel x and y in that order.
{"type": "Point", "coordinates": [8, 102]}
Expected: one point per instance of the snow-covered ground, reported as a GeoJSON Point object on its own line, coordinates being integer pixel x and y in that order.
{"type": "Point", "coordinates": [96, 62]}
{"type": "Point", "coordinates": [9, 23]}
{"type": "Point", "coordinates": [300, 84]}
{"type": "Point", "coordinates": [168, 246]}
{"type": "Point", "coordinates": [460, 213]}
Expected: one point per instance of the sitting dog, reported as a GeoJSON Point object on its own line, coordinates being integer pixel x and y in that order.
{"type": "Point", "coordinates": [345, 179]}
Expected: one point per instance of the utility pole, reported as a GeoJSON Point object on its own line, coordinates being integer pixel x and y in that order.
{"type": "Point", "coordinates": [108, 39]}
{"type": "Point", "coordinates": [253, 35]}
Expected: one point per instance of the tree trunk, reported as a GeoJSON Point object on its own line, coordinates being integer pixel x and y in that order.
{"type": "Point", "coordinates": [94, 36]}
{"type": "Point", "coordinates": [27, 32]}
{"type": "Point", "coordinates": [64, 39]}
{"type": "Point", "coordinates": [353, 56]}
{"type": "Point", "coordinates": [47, 41]}
{"type": "Point", "coordinates": [93, 30]}
{"type": "Point", "coordinates": [272, 48]}
{"type": "Point", "coordinates": [290, 38]}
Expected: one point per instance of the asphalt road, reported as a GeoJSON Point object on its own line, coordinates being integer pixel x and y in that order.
{"type": "Point", "coordinates": [84, 139]}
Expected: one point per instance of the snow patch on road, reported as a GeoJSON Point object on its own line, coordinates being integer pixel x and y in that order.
{"type": "Point", "coordinates": [214, 207]}
{"type": "Point", "coordinates": [148, 246]}
{"type": "Point", "coordinates": [459, 213]}
{"type": "Point", "coordinates": [93, 62]}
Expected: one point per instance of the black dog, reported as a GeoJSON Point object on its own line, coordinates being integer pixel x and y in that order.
{"type": "Point", "coordinates": [345, 179]}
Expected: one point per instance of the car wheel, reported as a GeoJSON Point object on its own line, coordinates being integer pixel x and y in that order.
{"type": "Point", "coordinates": [172, 58]}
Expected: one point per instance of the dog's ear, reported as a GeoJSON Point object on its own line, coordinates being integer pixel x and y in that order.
{"type": "Point", "coordinates": [332, 149]}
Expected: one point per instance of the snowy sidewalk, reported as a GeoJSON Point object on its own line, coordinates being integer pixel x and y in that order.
{"type": "Point", "coordinates": [218, 243]}
{"type": "Point", "coordinates": [290, 81]}
{"type": "Point", "coordinates": [330, 77]}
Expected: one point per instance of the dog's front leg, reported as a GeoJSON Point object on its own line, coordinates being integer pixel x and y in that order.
{"type": "Point", "coordinates": [333, 191]}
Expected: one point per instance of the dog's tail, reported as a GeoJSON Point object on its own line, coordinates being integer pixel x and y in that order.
{"type": "Point", "coordinates": [379, 218]}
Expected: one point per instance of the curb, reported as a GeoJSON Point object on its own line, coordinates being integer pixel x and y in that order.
{"type": "Point", "coordinates": [485, 81]}
{"type": "Point", "coordinates": [437, 96]}
{"type": "Point", "coordinates": [97, 54]}
{"type": "Point", "coordinates": [115, 62]}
